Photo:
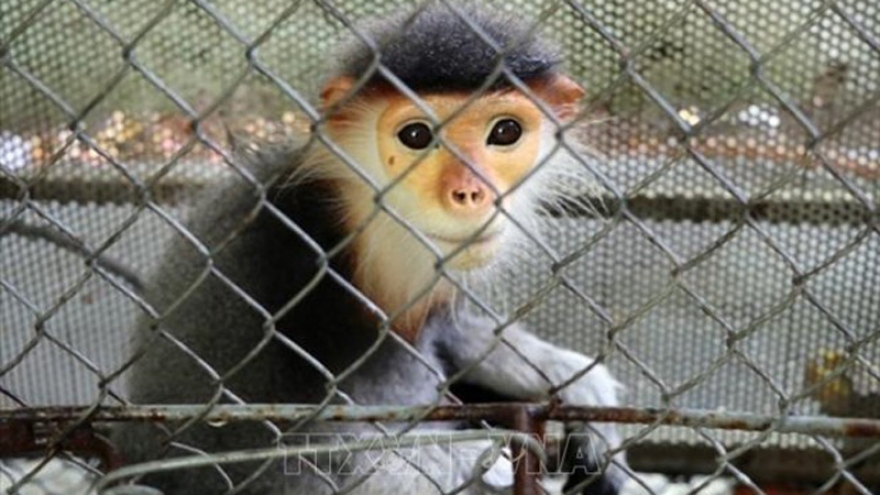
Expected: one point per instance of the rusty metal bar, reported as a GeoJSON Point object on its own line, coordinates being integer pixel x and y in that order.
{"type": "Point", "coordinates": [724, 420]}
{"type": "Point", "coordinates": [527, 466]}
{"type": "Point", "coordinates": [22, 438]}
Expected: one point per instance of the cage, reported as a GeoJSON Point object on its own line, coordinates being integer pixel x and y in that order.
{"type": "Point", "coordinates": [725, 263]}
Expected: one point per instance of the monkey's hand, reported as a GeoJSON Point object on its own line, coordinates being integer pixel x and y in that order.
{"type": "Point", "coordinates": [519, 365]}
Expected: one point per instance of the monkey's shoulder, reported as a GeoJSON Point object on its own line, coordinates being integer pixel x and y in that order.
{"type": "Point", "coordinates": [264, 230]}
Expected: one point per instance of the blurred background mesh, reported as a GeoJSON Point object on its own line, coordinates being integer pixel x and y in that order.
{"type": "Point", "coordinates": [102, 100]}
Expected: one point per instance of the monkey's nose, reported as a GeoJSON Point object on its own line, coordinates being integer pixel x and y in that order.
{"type": "Point", "coordinates": [462, 192]}
{"type": "Point", "coordinates": [468, 197]}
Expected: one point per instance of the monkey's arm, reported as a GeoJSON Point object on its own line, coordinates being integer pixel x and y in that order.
{"type": "Point", "coordinates": [522, 366]}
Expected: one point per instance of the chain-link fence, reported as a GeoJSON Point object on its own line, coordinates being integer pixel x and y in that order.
{"type": "Point", "coordinates": [718, 246]}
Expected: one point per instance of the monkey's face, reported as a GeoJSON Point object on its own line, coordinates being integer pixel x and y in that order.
{"type": "Point", "coordinates": [451, 182]}
{"type": "Point", "coordinates": [457, 183]}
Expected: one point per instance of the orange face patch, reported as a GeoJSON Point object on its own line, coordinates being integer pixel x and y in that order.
{"type": "Point", "coordinates": [482, 148]}
{"type": "Point", "coordinates": [449, 159]}
{"type": "Point", "coordinates": [463, 170]}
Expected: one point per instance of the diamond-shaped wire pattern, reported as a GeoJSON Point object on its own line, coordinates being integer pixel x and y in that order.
{"type": "Point", "coordinates": [721, 253]}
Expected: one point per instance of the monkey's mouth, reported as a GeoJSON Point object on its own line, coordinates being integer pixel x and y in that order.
{"type": "Point", "coordinates": [484, 239]}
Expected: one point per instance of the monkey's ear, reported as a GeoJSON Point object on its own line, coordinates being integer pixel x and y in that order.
{"type": "Point", "coordinates": [561, 93]}
{"type": "Point", "coordinates": [335, 90]}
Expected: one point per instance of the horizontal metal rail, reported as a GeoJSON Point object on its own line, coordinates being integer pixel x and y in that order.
{"type": "Point", "coordinates": [219, 414]}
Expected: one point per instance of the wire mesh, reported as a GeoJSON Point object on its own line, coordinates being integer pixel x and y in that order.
{"type": "Point", "coordinates": [725, 258]}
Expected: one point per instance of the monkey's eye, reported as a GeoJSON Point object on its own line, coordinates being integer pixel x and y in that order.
{"type": "Point", "coordinates": [415, 136]}
{"type": "Point", "coordinates": [505, 132]}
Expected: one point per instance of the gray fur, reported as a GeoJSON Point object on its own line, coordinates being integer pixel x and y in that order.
{"type": "Point", "coordinates": [221, 327]}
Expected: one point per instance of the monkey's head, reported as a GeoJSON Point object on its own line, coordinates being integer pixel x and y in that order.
{"type": "Point", "coordinates": [458, 162]}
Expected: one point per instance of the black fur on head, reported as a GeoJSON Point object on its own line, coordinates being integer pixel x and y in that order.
{"type": "Point", "coordinates": [436, 50]}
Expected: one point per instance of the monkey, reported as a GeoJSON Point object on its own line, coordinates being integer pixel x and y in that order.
{"type": "Point", "coordinates": [361, 240]}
